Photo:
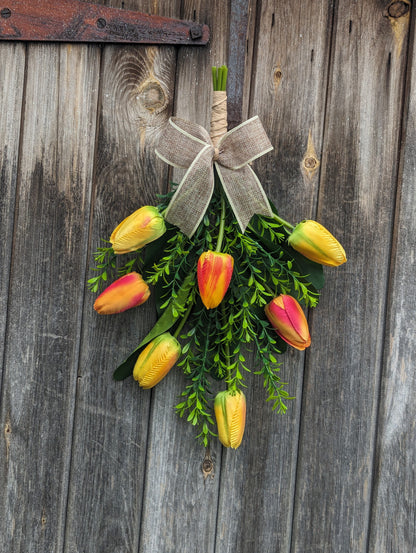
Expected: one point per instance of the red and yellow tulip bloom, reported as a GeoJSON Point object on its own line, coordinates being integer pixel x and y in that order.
{"type": "Point", "coordinates": [316, 243]}
{"type": "Point", "coordinates": [214, 275]}
{"type": "Point", "coordinates": [230, 413]}
{"type": "Point", "coordinates": [128, 291]}
{"type": "Point", "coordinates": [156, 360]}
{"type": "Point", "coordinates": [138, 229]}
{"type": "Point", "coordinates": [289, 321]}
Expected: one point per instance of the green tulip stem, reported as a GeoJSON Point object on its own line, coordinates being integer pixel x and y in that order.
{"type": "Point", "coordinates": [219, 77]}
{"type": "Point", "coordinates": [283, 222]}
{"type": "Point", "coordinates": [183, 321]}
{"type": "Point", "coordinates": [228, 379]}
{"type": "Point", "coordinates": [222, 225]}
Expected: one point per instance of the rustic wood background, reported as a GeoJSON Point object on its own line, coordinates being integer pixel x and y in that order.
{"type": "Point", "coordinates": [88, 465]}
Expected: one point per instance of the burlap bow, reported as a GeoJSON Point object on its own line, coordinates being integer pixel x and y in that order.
{"type": "Point", "coordinates": [188, 145]}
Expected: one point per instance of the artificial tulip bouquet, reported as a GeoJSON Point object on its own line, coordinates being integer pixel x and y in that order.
{"type": "Point", "coordinates": [229, 275]}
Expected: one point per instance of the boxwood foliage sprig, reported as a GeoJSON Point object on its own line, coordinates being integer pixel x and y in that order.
{"type": "Point", "coordinates": [229, 298]}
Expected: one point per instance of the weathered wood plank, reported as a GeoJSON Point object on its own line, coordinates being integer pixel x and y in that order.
{"type": "Point", "coordinates": [111, 423]}
{"type": "Point", "coordinates": [12, 69]}
{"type": "Point", "coordinates": [358, 180]}
{"type": "Point", "coordinates": [394, 504]}
{"type": "Point", "coordinates": [238, 45]}
{"type": "Point", "coordinates": [46, 294]}
{"type": "Point", "coordinates": [180, 508]}
{"type": "Point", "coordinates": [258, 481]}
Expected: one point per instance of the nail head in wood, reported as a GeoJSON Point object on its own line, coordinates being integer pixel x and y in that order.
{"type": "Point", "coordinates": [5, 13]}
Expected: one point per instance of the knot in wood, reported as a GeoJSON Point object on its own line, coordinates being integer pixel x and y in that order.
{"type": "Point", "coordinates": [207, 466]}
{"type": "Point", "coordinates": [398, 9]}
{"type": "Point", "coordinates": [310, 162]}
{"type": "Point", "coordinates": [152, 97]}
{"type": "Point", "coordinates": [277, 75]}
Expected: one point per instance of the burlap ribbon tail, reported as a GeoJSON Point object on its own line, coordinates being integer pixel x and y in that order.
{"type": "Point", "coordinates": [189, 146]}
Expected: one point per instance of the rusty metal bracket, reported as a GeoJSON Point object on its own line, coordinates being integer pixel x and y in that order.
{"type": "Point", "coordinates": [76, 21]}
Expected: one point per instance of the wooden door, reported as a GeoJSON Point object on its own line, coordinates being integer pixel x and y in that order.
{"type": "Point", "coordinates": [93, 466]}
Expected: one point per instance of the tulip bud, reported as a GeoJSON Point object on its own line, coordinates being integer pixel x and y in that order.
{"type": "Point", "coordinates": [138, 229]}
{"type": "Point", "coordinates": [230, 412]}
{"type": "Point", "coordinates": [128, 291]}
{"type": "Point", "coordinates": [156, 360]}
{"type": "Point", "coordinates": [214, 275]}
{"type": "Point", "coordinates": [316, 243]}
{"type": "Point", "coordinates": [289, 321]}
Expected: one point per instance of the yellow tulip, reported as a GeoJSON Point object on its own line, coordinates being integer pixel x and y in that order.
{"type": "Point", "coordinates": [316, 243]}
{"type": "Point", "coordinates": [156, 360]}
{"type": "Point", "coordinates": [214, 273]}
{"type": "Point", "coordinates": [138, 229]}
{"type": "Point", "coordinates": [230, 413]}
{"type": "Point", "coordinates": [128, 291]}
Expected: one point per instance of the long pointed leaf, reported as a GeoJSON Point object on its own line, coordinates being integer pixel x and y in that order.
{"type": "Point", "coordinates": [163, 324]}
{"type": "Point", "coordinates": [126, 368]}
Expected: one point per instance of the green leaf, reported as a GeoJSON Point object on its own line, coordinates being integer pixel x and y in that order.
{"type": "Point", "coordinates": [158, 292]}
{"type": "Point", "coordinates": [153, 249]}
{"type": "Point", "coordinates": [126, 368]}
{"type": "Point", "coordinates": [172, 311]}
{"type": "Point", "coordinates": [309, 270]}
{"type": "Point", "coordinates": [165, 322]}
{"type": "Point", "coordinates": [312, 271]}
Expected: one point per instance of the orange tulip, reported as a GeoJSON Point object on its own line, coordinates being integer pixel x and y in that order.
{"type": "Point", "coordinates": [138, 229]}
{"type": "Point", "coordinates": [214, 275]}
{"type": "Point", "coordinates": [128, 291]}
{"type": "Point", "coordinates": [289, 321]}
{"type": "Point", "coordinates": [156, 360]}
{"type": "Point", "coordinates": [316, 243]}
{"type": "Point", "coordinates": [230, 413]}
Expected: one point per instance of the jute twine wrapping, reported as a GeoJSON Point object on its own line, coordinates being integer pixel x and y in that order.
{"type": "Point", "coordinates": [189, 146]}
{"type": "Point", "coordinates": [218, 116]}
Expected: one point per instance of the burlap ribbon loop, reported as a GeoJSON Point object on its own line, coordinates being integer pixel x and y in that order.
{"type": "Point", "coordinates": [188, 145]}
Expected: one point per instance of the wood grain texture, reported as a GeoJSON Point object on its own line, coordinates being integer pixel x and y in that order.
{"type": "Point", "coordinates": [175, 486]}
{"type": "Point", "coordinates": [108, 466]}
{"type": "Point", "coordinates": [289, 94]}
{"type": "Point", "coordinates": [11, 96]}
{"type": "Point", "coordinates": [258, 481]}
{"type": "Point", "coordinates": [357, 192]}
{"type": "Point", "coordinates": [89, 465]}
{"type": "Point", "coordinates": [127, 177]}
{"type": "Point", "coordinates": [46, 293]}
{"type": "Point", "coordinates": [393, 508]}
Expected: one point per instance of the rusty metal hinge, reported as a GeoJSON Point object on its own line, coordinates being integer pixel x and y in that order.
{"type": "Point", "coordinates": [76, 21]}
